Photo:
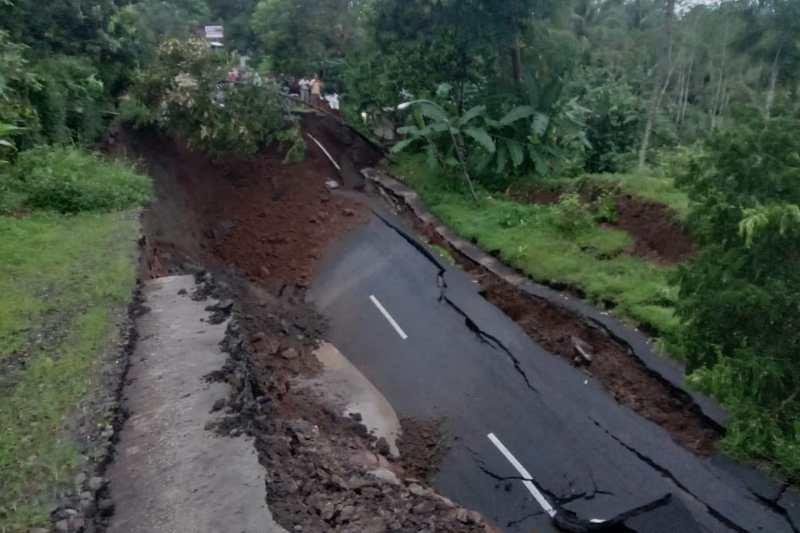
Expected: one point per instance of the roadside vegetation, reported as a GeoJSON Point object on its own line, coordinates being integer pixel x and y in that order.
{"type": "Point", "coordinates": [68, 232]}
{"type": "Point", "coordinates": [689, 104]}
{"type": "Point", "coordinates": [64, 285]}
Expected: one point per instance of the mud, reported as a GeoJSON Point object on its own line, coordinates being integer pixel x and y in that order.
{"type": "Point", "coordinates": [587, 346]}
{"type": "Point", "coordinates": [325, 470]}
{"type": "Point", "coordinates": [270, 221]}
{"type": "Point", "coordinates": [590, 348]}
{"type": "Point", "coordinates": [657, 234]}
{"type": "Point", "coordinates": [423, 444]}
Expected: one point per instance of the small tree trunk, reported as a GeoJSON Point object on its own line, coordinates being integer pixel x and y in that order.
{"type": "Point", "coordinates": [516, 60]}
{"type": "Point", "coordinates": [773, 82]}
{"type": "Point", "coordinates": [685, 103]}
{"type": "Point", "coordinates": [661, 84]}
{"type": "Point", "coordinates": [458, 143]}
{"type": "Point", "coordinates": [652, 113]}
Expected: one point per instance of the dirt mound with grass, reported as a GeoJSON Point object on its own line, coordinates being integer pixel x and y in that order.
{"type": "Point", "coordinates": [657, 234]}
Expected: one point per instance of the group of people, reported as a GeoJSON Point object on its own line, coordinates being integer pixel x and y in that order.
{"type": "Point", "coordinates": [311, 90]}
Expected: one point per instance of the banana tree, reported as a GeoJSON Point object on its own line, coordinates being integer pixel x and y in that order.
{"type": "Point", "coordinates": [6, 145]}
{"type": "Point", "coordinates": [441, 124]}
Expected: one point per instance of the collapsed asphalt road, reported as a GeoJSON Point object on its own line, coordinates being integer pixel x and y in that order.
{"type": "Point", "coordinates": [533, 441]}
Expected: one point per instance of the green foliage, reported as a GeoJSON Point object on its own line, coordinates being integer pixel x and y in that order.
{"type": "Point", "coordinates": [71, 101]}
{"type": "Point", "coordinates": [327, 30]}
{"type": "Point", "coordinates": [614, 121]}
{"type": "Point", "coordinates": [185, 89]}
{"type": "Point", "coordinates": [677, 161]}
{"type": "Point", "coordinates": [521, 142]}
{"type": "Point", "coordinates": [605, 207]}
{"type": "Point", "coordinates": [64, 284]}
{"type": "Point", "coordinates": [739, 298]}
{"type": "Point", "coordinates": [134, 112]}
{"type": "Point", "coordinates": [7, 147]}
{"type": "Point", "coordinates": [69, 180]}
{"type": "Point", "coordinates": [16, 84]}
{"type": "Point", "coordinates": [571, 215]}
{"type": "Point", "coordinates": [292, 139]}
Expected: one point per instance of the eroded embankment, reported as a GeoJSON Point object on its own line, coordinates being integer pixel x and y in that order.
{"type": "Point", "coordinates": [254, 231]}
{"type": "Point", "coordinates": [657, 234]}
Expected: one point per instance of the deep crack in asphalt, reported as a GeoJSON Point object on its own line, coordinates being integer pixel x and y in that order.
{"type": "Point", "coordinates": [667, 474]}
{"type": "Point", "coordinates": [441, 282]}
{"type": "Point", "coordinates": [565, 519]}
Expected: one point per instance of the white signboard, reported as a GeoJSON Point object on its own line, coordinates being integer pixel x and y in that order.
{"type": "Point", "coordinates": [215, 33]}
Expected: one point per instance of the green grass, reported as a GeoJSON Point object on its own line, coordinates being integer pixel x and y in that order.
{"type": "Point", "coordinates": [68, 179]}
{"type": "Point", "coordinates": [531, 238]}
{"type": "Point", "coordinates": [63, 282]}
{"type": "Point", "coordinates": [444, 253]}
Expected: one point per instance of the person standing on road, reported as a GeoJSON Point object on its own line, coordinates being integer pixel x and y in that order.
{"type": "Point", "coordinates": [304, 90]}
{"type": "Point", "coordinates": [316, 91]}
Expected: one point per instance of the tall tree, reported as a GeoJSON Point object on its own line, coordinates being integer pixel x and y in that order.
{"type": "Point", "coordinates": [771, 39]}
{"type": "Point", "coordinates": [663, 76]}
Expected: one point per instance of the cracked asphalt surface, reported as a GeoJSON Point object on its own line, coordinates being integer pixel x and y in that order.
{"type": "Point", "coordinates": [600, 465]}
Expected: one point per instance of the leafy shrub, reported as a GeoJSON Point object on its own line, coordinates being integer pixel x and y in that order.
{"type": "Point", "coordinates": [187, 91]}
{"type": "Point", "coordinates": [54, 99]}
{"type": "Point", "coordinates": [614, 122]}
{"type": "Point", "coordinates": [292, 138]}
{"type": "Point", "coordinates": [16, 83]}
{"type": "Point", "coordinates": [677, 161]}
{"type": "Point", "coordinates": [134, 112]}
{"type": "Point", "coordinates": [70, 180]}
{"type": "Point", "coordinates": [523, 141]}
{"type": "Point", "coordinates": [71, 100]}
{"type": "Point", "coordinates": [739, 298]}
{"type": "Point", "coordinates": [605, 207]}
{"type": "Point", "coordinates": [571, 215]}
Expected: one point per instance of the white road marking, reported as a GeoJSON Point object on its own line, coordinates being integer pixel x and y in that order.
{"type": "Point", "coordinates": [330, 157]}
{"type": "Point", "coordinates": [525, 475]}
{"type": "Point", "coordinates": [389, 317]}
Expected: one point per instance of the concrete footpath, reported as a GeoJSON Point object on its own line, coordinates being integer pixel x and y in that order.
{"type": "Point", "coordinates": [170, 473]}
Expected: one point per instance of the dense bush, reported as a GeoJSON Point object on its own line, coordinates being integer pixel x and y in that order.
{"type": "Point", "coordinates": [186, 91]}
{"type": "Point", "coordinates": [70, 180]}
{"type": "Point", "coordinates": [70, 101]}
{"type": "Point", "coordinates": [52, 99]}
{"type": "Point", "coordinates": [739, 300]}
{"type": "Point", "coordinates": [614, 122]}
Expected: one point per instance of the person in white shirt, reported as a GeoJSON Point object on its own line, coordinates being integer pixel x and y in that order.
{"type": "Point", "coordinates": [304, 88]}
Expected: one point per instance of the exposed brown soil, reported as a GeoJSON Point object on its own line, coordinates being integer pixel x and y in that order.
{"type": "Point", "coordinates": [657, 234]}
{"type": "Point", "coordinates": [563, 333]}
{"type": "Point", "coordinates": [422, 444]}
{"type": "Point", "coordinates": [631, 384]}
{"type": "Point", "coordinates": [268, 220]}
{"type": "Point", "coordinates": [318, 461]}
{"type": "Point", "coordinates": [261, 227]}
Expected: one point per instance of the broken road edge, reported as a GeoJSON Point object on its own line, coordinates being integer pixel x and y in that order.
{"type": "Point", "coordinates": [667, 370]}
